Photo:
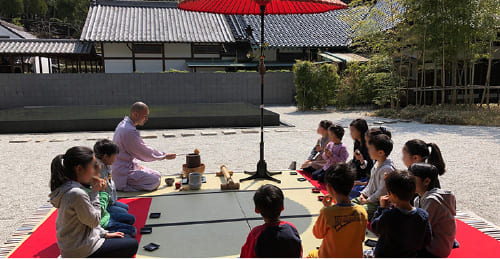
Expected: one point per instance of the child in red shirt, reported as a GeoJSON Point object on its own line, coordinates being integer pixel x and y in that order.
{"type": "Point", "coordinates": [276, 238]}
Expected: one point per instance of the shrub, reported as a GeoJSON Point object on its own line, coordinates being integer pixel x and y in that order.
{"type": "Point", "coordinates": [447, 114]}
{"type": "Point", "coordinates": [315, 84]}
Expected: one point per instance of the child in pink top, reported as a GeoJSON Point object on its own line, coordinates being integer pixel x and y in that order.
{"type": "Point", "coordinates": [335, 151]}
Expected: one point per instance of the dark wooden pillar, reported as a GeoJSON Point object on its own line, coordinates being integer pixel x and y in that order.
{"type": "Point", "coordinates": [133, 58]}
{"type": "Point", "coordinates": [58, 65]}
{"type": "Point", "coordinates": [102, 58]}
{"type": "Point", "coordinates": [85, 64]}
{"type": "Point", "coordinates": [40, 64]}
{"type": "Point", "coordinates": [11, 62]}
{"type": "Point", "coordinates": [163, 56]}
{"type": "Point", "coordinates": [22, 64]}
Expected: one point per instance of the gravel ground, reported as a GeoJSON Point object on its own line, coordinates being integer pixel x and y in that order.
{"type": "Point", "coordinates": [471, 154]}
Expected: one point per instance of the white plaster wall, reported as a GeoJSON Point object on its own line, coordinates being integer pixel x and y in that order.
{"type": "Point", "coordinates": [118, 66]}
{"type": "Point", "coordinates": [46, 65]}
{"type": "Point", "coordinates": [148, 66]}
{"type": "Point", "coordinates": [6, 33]}
{"type": "Point", "coordinates": [117, 50]}
{"type": "Point", "coordinates": [178, 50]}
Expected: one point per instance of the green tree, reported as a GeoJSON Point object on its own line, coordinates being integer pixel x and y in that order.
{"type": "Point", "coordinates": [487, 24]}
{"type": "Point", "coordinates": [11, 8]}
{"type": "Point", "coordinates": [35, 8]}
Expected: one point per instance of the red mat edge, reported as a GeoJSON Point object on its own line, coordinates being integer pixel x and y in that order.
{"type": "Point", "coordinates": [466, 235]}
{"type": "Point", "coordinates": [37, 245]}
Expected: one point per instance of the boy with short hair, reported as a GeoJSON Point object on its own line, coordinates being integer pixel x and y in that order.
{"type": "Point", "coordinates": [275, 238]}
{"type": "Point", "coordinates": [379, 148]}
{"type": "Point", "coordinates": [341, 226]}
{"type": "Point", "coordinates": [404, 230]}
{"type": "Point", "coordinates": [105, 152]}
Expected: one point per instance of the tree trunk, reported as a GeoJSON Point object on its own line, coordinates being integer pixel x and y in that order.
{"type": "Point", "coordinates": [472, 101]}
{"type": "Point", "coordinates": [454, 82]}
{"type": "Point", "coordinates": [488, 74]}
{"type": "Point", "coordinates": [443, 78]}
{"type": "Point", "coordinates": [466, 78]}
{"type": "Point", "coordinates": [422, 93]}
{"type": "Point", "coordinates": [434, 91]}
{"type": "Point", "coordinates": [399, 79]}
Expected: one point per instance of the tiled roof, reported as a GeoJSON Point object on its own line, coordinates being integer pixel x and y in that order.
{"type": "Point", "coordinates": [43, 46]}
{"type": "Point", "coordinates": [17, 30]}
{"type": "Point", "coordinates": [160, 21]}
{"type": "Point", "coordinates": [329, 29]}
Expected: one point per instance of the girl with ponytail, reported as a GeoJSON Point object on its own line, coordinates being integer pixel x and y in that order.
{"type": "Point", "coordinates": [440, 205]}
{"type": "Point", "coordinates": [417, 150]}
{"type": "Point", "coordinates": [79, 214]}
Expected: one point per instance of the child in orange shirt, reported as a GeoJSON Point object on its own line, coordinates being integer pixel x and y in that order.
{"type": "Point", "coordinates": [341, 226]}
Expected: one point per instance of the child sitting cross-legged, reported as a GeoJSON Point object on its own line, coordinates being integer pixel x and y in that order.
{"type": "Point", "coordinates": [105, 152]}
{"type": "Point", "coordinates": [335, 151]}
{"type": "Point", "coordinates": [113, 222]}
{"type": "Point", "coordinates": [341, 226]}
{"type": "Point", "coordinates": [276, 238]}
{"type": "Point", "coordinates": [404, 230]}
{"type": "Point", "coordinates": [379, 147]}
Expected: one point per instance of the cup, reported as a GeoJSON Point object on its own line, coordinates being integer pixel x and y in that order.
{"type": "Point", "coordinates": [195, 181]}
{"type": "Point", "coordinates": [169, 181]}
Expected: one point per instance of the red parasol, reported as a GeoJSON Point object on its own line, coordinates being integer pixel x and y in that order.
{"type": "Point", "coordinates": [261, 7]}
{"type": "Point", "coordinates": [253, 6]}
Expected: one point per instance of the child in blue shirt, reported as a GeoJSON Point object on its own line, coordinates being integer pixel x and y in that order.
{"type": "Point", "coordinates": [404, 230]}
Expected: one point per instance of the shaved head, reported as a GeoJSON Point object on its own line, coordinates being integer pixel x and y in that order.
{"type": "Point", "coordinates": [138, 107]}
{"type": "Point", "coordinates": [139, 113]}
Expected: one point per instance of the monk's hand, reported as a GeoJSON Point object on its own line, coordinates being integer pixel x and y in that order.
{"type": "Point", "coordinates": [114, 235]}
{"type": "Point", "coordinates": [170, 156]}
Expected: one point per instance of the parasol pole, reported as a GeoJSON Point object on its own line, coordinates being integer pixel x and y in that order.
{"type": "Point", "coordinates": [262, 172]}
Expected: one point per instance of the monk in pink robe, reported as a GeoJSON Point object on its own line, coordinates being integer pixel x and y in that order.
{"type": "Point", "coordinates": [128, 174]}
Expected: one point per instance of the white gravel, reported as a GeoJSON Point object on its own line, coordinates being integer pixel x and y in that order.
{"type": "Point", "coordinates": [471, 154]}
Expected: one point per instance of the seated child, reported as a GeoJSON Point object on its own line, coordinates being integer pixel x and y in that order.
{"type": "Point", "coordinates": [335, 151]}
{"type": "Point", "coordinates": [341, 226]}
{"type": "Point", "coordinates": [275, 238]}
{"type": "Point", "coordinates": [113, 222]}
{"type": "Point", "coordinates": [361, 162]}
{"type": "Point", "coordinates": [379, 147]}
{"type": "Point", "coordinates": [105, 151]}
{"type": "Point", "coordinates": [417, 150]}
{"type": "Point", "coordinates": [315, 160]}
{"type": "Point", "coordinates": [441, 206]}
{"type": "Point", "coordinates": [404, 230]}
